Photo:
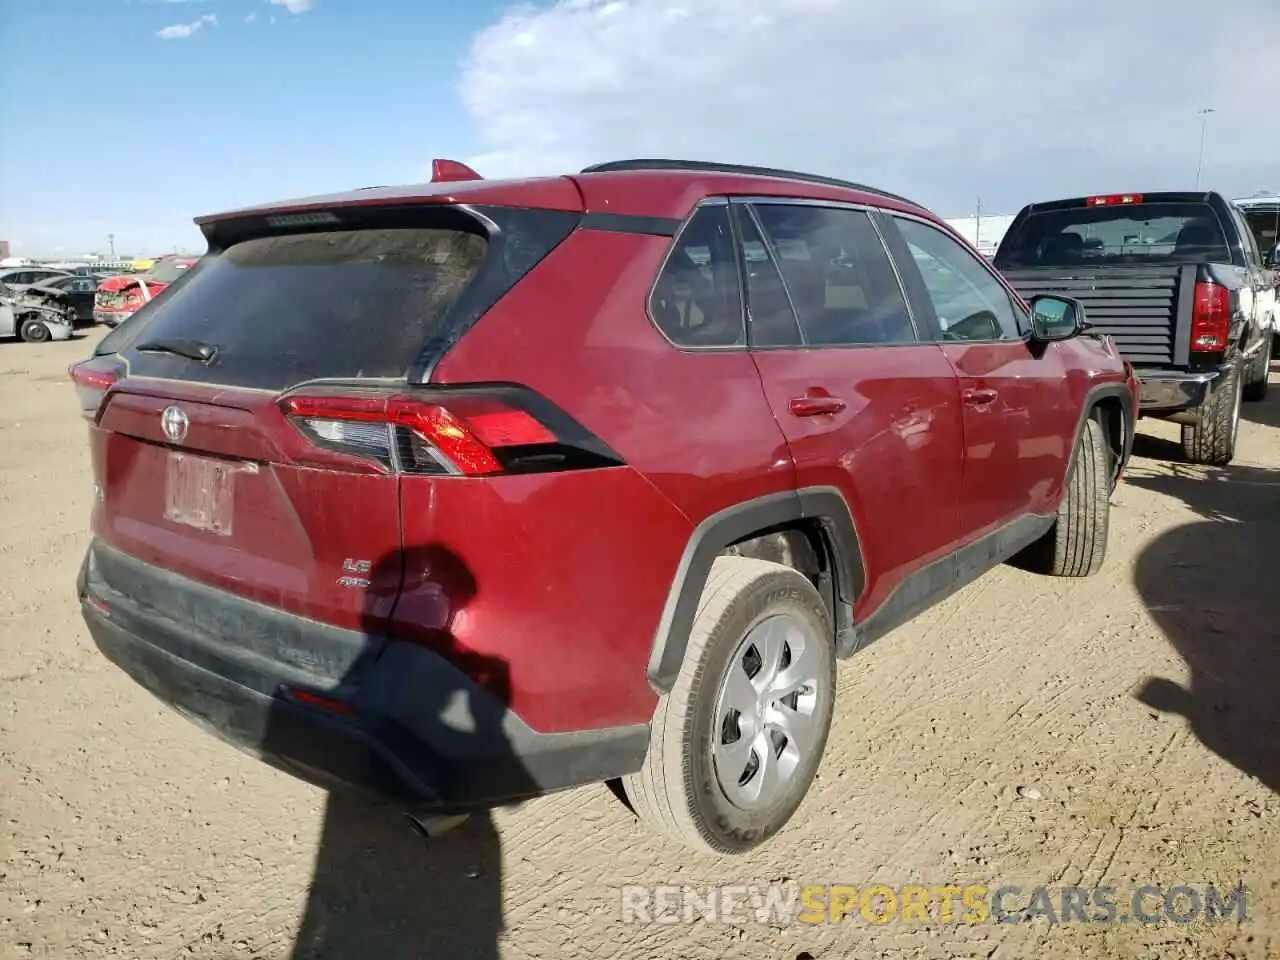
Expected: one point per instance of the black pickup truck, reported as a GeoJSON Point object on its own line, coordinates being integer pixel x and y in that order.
{"type": "Point", "coordinates": [1178, 282]}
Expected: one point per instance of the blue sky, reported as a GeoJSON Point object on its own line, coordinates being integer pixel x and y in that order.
{"type": "Point", "coordinates": [120, 131]}
{"type": "Point", "coordinates": [106, 127]}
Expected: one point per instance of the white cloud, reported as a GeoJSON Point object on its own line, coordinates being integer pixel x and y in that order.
{"type": "Point", "coordinates": [294, 6]}
{"type": "Point", "coordinates": [1006, 98]}
{"type": "Point", "coordinates": [180, 31]}
{"type": "Point", "coordinates": [250, 18]}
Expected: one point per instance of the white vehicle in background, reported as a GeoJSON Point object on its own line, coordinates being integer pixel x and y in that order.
{"type": "Point", "coordinates": [1262, 214]}
{"type": "Point", "coordinates": [34, 323]}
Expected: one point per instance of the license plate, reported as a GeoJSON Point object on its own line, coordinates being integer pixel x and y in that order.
{"type": "Point", "coordinates": [200, 493]}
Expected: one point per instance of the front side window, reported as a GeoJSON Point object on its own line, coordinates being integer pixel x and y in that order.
{"type": "Point", "coordinates": [697, 300]}
{"type": "Point", "coordinates": [970, 303]}
{"type": "Point", "coordinates": [837, 274]}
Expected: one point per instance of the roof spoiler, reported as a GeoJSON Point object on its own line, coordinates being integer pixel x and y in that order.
{"type": "Point", "coordinates": [451, 171]}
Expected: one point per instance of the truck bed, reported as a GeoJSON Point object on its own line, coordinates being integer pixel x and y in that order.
{"type": "Point", "coordinates": [1146, 309]}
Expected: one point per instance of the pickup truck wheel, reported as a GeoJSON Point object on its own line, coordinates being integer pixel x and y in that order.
{"type": "Point", "coordinates": [1076, 544]}
{"type": "Point", "coordinates": [1212, 442]}
{"type": "Point", "coordinates": [737, 741]}
{"type": "Point", "coordinates": [34, 330]}
{"type": "Point", "coordinates": [1255, 387]}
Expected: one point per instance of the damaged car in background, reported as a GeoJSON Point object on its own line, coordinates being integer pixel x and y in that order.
{"type": "Point", "coordinates": [72, 295]}
{"type": "Point", "coordinates": [32, 320]}
{"type": "Point", "coordinates": [120, 297]}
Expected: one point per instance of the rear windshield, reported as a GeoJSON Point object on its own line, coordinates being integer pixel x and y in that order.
{"type": "Point", "coordinates": [1129, 233]}
{"type": "Point", "coordinates": [167, 271]}
{"type": "Point", "coordinates": [281, 310]}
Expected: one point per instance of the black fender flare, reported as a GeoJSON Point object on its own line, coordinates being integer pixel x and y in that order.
{"type": "Point", "coordinates": [825, 505]}
{"type": "Point", "coordinates": [1096, 393]}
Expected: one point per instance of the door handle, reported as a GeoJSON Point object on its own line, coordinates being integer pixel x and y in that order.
{"type": "Point", "coordinates": [815, 406]}
{"type": "Point", "coordinates": [980, 397]}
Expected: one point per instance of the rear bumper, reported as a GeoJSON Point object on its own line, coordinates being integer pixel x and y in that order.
{"type": "Point", "coordinates": [412, 728]}
{"type": "Point", "coordinates": [1168, 394]}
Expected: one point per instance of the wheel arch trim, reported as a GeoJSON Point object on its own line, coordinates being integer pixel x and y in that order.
{"type": "Point", "coordinates": [824, 505]}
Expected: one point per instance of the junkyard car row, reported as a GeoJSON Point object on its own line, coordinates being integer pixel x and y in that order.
{"type": "Point", "coordinates": [623, 461]}
{"type": "Point", "coordinates": [42, 303]}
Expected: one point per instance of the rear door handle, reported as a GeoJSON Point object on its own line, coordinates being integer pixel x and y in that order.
{"type": "Point", "coordinates": [815, 406]}
{"type": "Point", "coordinates": [980, 397]}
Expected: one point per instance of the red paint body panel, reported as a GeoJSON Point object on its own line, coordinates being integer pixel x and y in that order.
{"type": "Point", "coordinates": [560, 576]}
{"type": "Point", "coordinates": [894, 451]}
{"type": "Point", "coordinates": [293, 527]}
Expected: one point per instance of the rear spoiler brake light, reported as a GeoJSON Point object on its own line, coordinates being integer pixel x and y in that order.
{"type": "Point", "coordinates": [1110, 199]}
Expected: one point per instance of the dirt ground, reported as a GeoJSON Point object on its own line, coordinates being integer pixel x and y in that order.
{"type": "Point", "coordinates": [1139, 711]}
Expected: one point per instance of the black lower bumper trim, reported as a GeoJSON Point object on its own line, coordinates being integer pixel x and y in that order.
{"type": "Point", "coordinates": [419, 732]}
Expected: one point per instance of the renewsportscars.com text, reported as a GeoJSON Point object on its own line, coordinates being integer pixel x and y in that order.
{"type": "Point", "coordinates": [786, 904]}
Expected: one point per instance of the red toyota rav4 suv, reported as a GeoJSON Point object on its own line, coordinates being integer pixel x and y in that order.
{"type": "Point", "coordinates": [465, 492]}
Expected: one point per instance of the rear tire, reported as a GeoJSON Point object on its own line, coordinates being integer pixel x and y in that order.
{"type": "Point", "coordinates": [34, 330]}
{"type": "Point", "coordinates": [1212, 442]}
{"type": "Point", "coordinates": [1076, 544]}
{"type": "Point", "coordinates": [728, 764]}
{"type": "Point", "coordinates": [1256, 385]}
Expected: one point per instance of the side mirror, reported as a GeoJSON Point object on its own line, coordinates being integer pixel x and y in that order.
{"type": "Point", "coordinates": [1056, 318]}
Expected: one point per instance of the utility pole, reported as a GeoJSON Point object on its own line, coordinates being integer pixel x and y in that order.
{"type": "Point", "coordinates": [977, 226]}
{"type": "Point", "coordinates": [1204, 129]}
{"type": "Point", "coordinates": [111, 241]}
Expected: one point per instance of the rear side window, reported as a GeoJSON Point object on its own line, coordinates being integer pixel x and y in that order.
{"type": "Point", "coordinates": [697, 299]}
{"type": "Point", "coordinates": [837, 275]}
{"type": "Point", "coordinates": [285, 309]}
{"type": "Point", "coordinates": [1116, 234]}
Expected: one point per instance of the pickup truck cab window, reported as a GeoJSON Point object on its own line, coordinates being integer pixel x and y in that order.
{"type": "Point", "coordinates": [970, 303]}
{"type": "Point", "coordinates": [1116, 234]}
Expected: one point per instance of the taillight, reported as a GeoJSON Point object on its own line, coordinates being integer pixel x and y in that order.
{"type": "Point", "coordinates": [1113, 198]}
{"type": "Point", "coordinates": [1210, 318]}
{"type": "Point", "coordinates": [463, 432]}
{"type": "Point", "coordinates": [92, 379]}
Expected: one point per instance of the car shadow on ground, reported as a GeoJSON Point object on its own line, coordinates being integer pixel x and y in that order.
{"type": "Point", "coordinates": [380, 889]}
{"type": "Point", "coordinates": [1211, 587]}
{"type": "Point", "coordinates": [1265, 412]}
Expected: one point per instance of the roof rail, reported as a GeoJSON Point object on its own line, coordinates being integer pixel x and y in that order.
{"type": "Point", "coordinates": [708, 166]}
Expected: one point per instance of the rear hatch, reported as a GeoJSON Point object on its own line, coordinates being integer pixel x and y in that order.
{"type": "Point", "coordinates": [216, 453]}
{"type": "Point", "coordinates": [1131, 260]}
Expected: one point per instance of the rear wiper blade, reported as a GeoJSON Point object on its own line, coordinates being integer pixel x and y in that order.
{"type": "Point", "coordinates": [191, 349]}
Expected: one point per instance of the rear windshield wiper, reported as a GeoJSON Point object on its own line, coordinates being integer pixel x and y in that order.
{"type": "Point", "coordinates": [191, 349]}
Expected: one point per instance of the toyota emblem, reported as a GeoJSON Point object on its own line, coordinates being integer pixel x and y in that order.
{"type": "Point", "coordinates": [174, 423]}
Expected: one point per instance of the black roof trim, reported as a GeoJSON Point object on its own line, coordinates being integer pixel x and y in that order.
{"type": "Point", "coordinates": [708, 166]}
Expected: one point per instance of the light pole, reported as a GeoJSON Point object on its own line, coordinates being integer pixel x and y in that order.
{"type": "Point", "coordinates": [1204, 129]}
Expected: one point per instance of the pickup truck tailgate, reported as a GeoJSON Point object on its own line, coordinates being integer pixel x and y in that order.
{"type": "Point", "coordinates": [1137, 305]}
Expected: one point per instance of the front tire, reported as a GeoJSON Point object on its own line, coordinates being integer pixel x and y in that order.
{"type": "Point", "coordinates": [737, 741]}
{"type": "Point", "coordinates": [1256, 385]}
{"type": "Point", "coordinates": [1076, 544]}
{"type": "Point", "coordinates": [1212, 442]}
{"type": "Point", "coordinates": [34, 330]}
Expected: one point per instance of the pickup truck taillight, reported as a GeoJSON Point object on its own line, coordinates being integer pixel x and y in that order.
{"type": "Point", "coordinates": [1210, 318]}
